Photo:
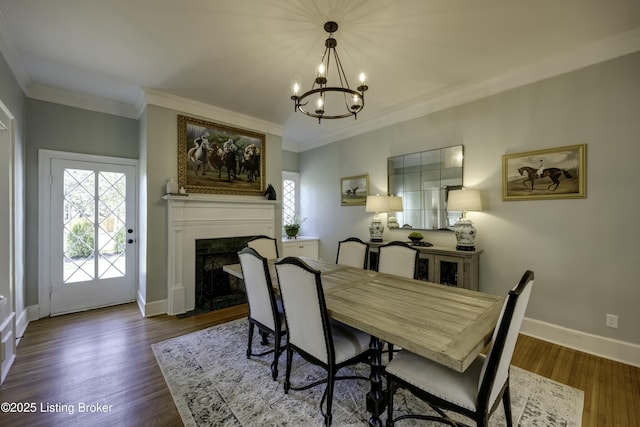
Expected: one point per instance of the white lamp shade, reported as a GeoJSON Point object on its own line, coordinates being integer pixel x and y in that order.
{"type": "Point", "coordinates": [395, 204]}
{"type": "Point", "coordinates": [464, 200]}
{"type": "Point", "coordinates": [377, 204]}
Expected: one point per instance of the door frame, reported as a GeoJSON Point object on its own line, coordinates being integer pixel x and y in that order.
{"type": "Point", "coordinates": [45, 178]}
{"type": "Point", "coordinates": [9, 259]}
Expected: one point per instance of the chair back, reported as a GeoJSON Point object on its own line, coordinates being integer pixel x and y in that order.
{"type": "Point", "coordinates": [260, 293]}
{"type": "Point", "coordinates": [353, 252]}
{"type": "Point", "coordinates": [495, 370]}
{"type": "Point", "coordinates": [266, 246]}
{"type": "Point", "coordinates": [305, 310]}
{"type": "Point", "coordinates": [398, 258]}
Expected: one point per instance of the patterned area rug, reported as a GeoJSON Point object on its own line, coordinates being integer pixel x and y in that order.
{"type": "Point", "coordinates": [213, 384]}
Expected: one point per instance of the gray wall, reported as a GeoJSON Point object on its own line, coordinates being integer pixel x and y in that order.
{"type": "Point", "coordinates": [584, 252]}
{"type": "Point", "coordinates": [58, 127]}
{"type": "Point", "coordinates": [290, 161]}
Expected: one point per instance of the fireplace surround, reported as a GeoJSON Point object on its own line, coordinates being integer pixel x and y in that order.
{"type": "Point", "coordinates": [200, 216]}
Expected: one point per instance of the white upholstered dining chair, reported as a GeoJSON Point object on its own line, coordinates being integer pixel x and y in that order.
{"type": "Point", "coordinates": [353, 252]}
{"type": "Point", "coordinates": [266, 246]}
{"type": "Point", "coordinates": [398, 258]}
{"type": "Point", "coordinates": [475, 393]}
{"type": "Point", "coordinates": [312, 334]}
{"type": "Point", "coordinates": [265, 311]}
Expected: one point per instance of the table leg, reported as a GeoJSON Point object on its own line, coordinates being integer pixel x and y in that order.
{"type": "Point", "coordinates": [376, 398]}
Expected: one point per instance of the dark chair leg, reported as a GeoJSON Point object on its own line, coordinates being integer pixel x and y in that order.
{"type": "Point", "coordinates": [390, 390]}
{"type": "Point", "coordinates": [251, 326]}
{"type": "Point", "coordinates": [276, 356]}
{"type": "Point", "coordinates": [287, 382]}
{"type": "Point", "coordinates": [265, 336]}
{"type": "Point", "coordinates": [506, 401]}
{"type": "Point", "coordinates": [328, 418]}
{"type": "Point", "coordinates": [390, 347]}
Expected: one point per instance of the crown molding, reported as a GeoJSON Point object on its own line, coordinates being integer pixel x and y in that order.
{"type": "Point", "coordinates": [189, 106]}
{"type": "Point", "coordinates": [600, 51]}
{"type": "Point", "coordinates": [78, 100]}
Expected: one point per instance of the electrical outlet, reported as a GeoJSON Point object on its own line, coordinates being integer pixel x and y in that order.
{"type": "Point", "coordinates": [612, 321]}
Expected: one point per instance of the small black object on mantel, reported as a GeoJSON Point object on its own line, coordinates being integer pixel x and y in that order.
{"type": "Point", "coordinates": [270, 193]}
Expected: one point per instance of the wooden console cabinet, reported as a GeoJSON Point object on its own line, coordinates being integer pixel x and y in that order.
{"type": "Point", "coordinates": [440, 264]}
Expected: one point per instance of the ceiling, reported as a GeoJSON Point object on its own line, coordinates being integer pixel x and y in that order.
{"type": "Point", "coordinates": [242, 55]}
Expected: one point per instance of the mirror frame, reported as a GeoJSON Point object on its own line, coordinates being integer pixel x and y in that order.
{"type": "Point", "coordinates": [423, 180]}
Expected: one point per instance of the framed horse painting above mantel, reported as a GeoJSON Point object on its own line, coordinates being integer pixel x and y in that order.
{"type": "Point", "coordinates": [220, 159]}
{"type": "Point", "coordinates": [555, 173]}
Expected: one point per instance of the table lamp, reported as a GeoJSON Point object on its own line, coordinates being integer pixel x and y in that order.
{"type": "Point", "coordinates": [395, 205]}
{"type": "Point", "coordinates": [464, 200]}
{"type": "Point", "coordinates": [377, 204]}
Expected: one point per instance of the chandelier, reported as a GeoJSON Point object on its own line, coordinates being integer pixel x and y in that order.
{"type": "Point", "coordinates": [328, 104]}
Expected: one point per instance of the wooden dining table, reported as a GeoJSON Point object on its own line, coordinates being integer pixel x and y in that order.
{"type": "Point", "coordinates": [448, 325]}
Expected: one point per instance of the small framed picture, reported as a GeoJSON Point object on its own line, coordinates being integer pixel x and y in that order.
{"type": "Point", "coordinates": [555, 173]}
{"type": "Point", "coordinates": [354, 190]}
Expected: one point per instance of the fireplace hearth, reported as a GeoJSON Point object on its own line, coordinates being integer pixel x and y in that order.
{"type": "Point", "coordinates": [216, 289]}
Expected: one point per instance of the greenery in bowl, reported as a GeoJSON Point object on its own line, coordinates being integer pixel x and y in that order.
{"type": "Point", "coordinates": [292, 225]}
{"type": "Point", "coordinates": [415, 237]}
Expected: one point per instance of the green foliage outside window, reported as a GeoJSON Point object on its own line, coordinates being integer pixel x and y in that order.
{"type": "Point", "coordinates": [80, 241]}
{"type": "Point", "coordinates": [119, 237]}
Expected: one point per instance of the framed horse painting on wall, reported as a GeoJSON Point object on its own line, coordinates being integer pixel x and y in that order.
{"type": "Point", "coordinates": [219, 159]}
{"type": "Point", "coordinates": [555, 173]}
{"type": "Point", "coordinates": [354, 190]}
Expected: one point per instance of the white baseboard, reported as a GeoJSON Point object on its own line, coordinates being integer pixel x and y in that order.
{"type": "Point", "coordinates": [154, 308]}
{"type": "Point", "coordinates": [27, 315]}
{"type": "Point", "coordinates": [33, 312]}
{"type": "Point", "coordinates": [22, 321]}
{"type": "Point", "coordinates": [620, 351]}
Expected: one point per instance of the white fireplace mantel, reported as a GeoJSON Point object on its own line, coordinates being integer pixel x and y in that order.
{"type": "Point", "coordinates": [203, 216]}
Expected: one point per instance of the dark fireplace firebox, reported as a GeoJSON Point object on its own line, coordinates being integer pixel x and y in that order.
{"type": "Point", "coordinates": [216, 289]}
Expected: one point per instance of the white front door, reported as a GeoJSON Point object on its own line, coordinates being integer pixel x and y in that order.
{"type": "Point", "coordinates": [92, 235]}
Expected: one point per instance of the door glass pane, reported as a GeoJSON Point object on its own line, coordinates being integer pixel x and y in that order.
{"type": "Point", "coordinates": [79, 225]}
{"type": "Point", "coordinates": [111, 224]}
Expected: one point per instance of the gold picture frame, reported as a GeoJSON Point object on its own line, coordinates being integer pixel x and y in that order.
{"type": "Point", "coordinates": [220, 159]}
{"type": "Point", "coordinates": [354, 190]}
{"type": "Point", "coordinates": [555, 173]}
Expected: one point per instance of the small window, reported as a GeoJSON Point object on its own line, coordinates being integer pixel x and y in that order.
{"type": "Point", "coordinates": [290, 188]}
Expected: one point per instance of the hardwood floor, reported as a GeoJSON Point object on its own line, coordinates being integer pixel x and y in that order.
{"type": "Point", "coordinates": [104, 357]}
{"type": "Point", "coordinates": [611, 389]}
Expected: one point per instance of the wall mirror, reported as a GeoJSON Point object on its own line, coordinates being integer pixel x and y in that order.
{"type": "Point", "coordinates": [424, 180]}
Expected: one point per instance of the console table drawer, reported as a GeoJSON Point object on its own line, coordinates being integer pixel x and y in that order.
{"type": "Point", "coordinates": [306, 247]}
